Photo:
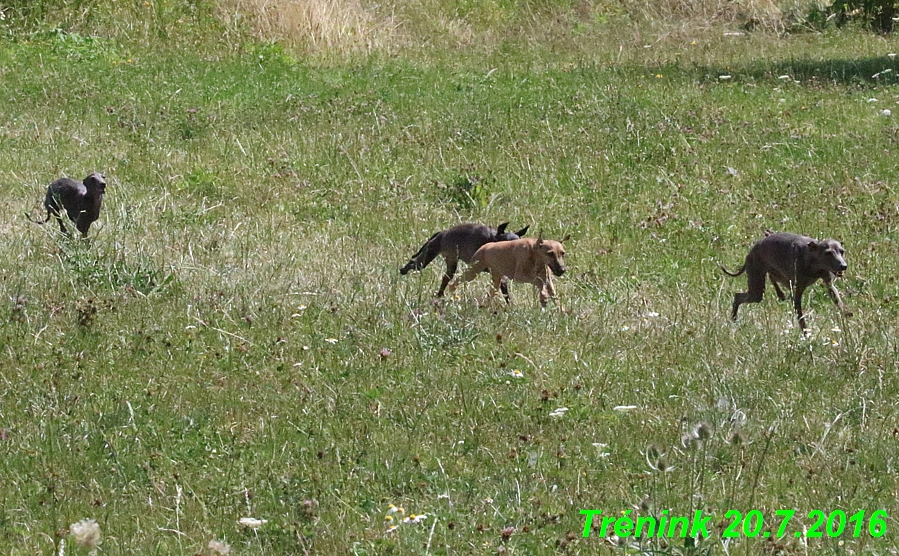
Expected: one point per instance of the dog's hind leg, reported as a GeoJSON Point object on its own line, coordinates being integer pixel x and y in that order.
{"type": "Point", "coordinates": [470, 274]}
{"type": "Point", "coordinates": [500, 283]}
{"type": "Point", "coordinates": [504, 287]}
{"type": "Point", "coordinates": [451, 265]}
{"type": "Point", "coordinates": [756, 288]}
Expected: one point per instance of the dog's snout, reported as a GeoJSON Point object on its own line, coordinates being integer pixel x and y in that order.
{"type": "Point", "coordinates": [558, 269]}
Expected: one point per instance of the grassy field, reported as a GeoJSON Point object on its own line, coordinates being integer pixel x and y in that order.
{"type": "Point", "coordinates": [234, 340]}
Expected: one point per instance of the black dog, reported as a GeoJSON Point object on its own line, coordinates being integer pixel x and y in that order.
{"type": "Point", "coordinates": [81, 201]}
{"type": "Point", "coordinates": [458, 243]}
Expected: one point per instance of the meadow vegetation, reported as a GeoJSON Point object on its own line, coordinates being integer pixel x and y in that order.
{"type": "Point", "coordinates": [235, 340]}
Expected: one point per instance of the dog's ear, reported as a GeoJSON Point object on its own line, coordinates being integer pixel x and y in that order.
{"type": "Point", "coordinates": [501, 229]}
{"type": "Point", "coordinates": [566, 238]}
{"type": "Point", "coordinates": [521, 232]}
{"type": "Point", "coordinates": [539, 239]}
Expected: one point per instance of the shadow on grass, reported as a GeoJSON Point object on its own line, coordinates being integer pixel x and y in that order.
{"type": "Point", "coordinates": [876, 70]}
{"type": "Point", "coordinates": [864, 72]}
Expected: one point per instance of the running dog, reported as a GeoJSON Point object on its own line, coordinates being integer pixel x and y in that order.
{"type": "Point", "coordinates": [458, 243]}
{"type": "Point", "coordinates": [795, 262]}
{"type": "Point", "coordinates": [523, 260]}
{"type": "Point", "coordinates": [80, 200]}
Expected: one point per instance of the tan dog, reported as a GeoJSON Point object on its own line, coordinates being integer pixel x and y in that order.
{"type": "Point", "coordinates": [523, 260]}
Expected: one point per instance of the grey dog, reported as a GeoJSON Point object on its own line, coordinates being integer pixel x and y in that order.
{"type": "Point", "coordinates": [795, 262]}
{"type": "Point", "coordinates": [458, 243]}
{"type": "Point", "coordinates": [81, 201]}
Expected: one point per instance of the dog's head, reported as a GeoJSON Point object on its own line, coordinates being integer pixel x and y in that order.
{"type": "Point", "coordinates": [552, 253]}
{"type": "Point", "coordinates": [503, 235]}
{"type": "Point", "coordinates": [830, 255]}
{"type": "Point", "coordinates": [95, 183]}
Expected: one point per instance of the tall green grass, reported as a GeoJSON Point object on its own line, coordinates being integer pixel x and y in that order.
{"type": "Point", "coordinates": [234, 340]}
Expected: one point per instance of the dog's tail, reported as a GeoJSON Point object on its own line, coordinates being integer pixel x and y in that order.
{"type": "Point", "coordinates": [739, 271]}
{"type": "Point", "coordinates": [425, 255]}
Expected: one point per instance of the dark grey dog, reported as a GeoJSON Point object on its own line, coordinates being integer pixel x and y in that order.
{"type": "Point", "coordinates": [81, 201]}
{"type": "Point", "coordinates": [458, 243]}
{"type": "Point", "coordinates": [795, 262]}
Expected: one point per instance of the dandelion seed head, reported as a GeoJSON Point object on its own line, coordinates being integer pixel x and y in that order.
{"type": "Point", "coordinates": [219, 547]}
{"type": "Point", "coordinates": [86, 533]}
{"type": "Point", "coordinates": [702, 430]}
{"type": "Point", "coordinates": [662, 465]}
{"type": "Point", "coordinates": [688, 441]}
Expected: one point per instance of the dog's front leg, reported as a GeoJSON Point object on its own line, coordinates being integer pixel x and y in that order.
{"type": "Point", "coordinates": [798, 290]}
{"type": "Point", "coordinates": [835, 297]}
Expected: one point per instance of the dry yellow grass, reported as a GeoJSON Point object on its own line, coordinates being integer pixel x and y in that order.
{"type": "Point", "coordinates": [342, 25]}
{"type": "Point", "coordinates": [774, 15]}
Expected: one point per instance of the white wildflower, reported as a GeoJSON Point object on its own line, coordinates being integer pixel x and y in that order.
{"type": "Point", "coordinates": [558, 412]}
